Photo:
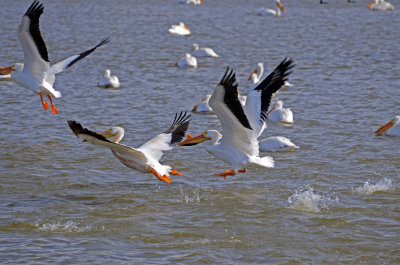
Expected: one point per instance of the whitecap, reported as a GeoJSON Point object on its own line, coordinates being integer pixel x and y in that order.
{"type": "Point", "coordinates": [383, 185]}
{"type": "Point", "coordinates": [67, 227]}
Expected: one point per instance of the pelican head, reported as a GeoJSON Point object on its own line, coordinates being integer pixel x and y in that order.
{"type": "Point", "coordinates": [116, 132]}
{"type": "Point", "coordinates": [384, 128]}
{"type": "Point", "coordinates": [6, 70]}
{"type": "Point", "coordinates": [280, 6]}
{"type": "Point", "coordinates": [195, 47]}
{"type": "Point", "coordinates": [374, 2]}
{"type": "Point", "coordinates": [209, 135]}
{"type": "Point", "coordinates": [107, 72]}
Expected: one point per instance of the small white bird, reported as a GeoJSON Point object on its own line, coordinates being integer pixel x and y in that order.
{"type": "Point", "coordinates": [180, 29]}
{"type": "Point", "coordinates": [193, 2]}
{"type": "Point", "coordinates": [187, 61]}
{"type": "Point", "coordinates": [257, 74]}
{"type": "Point", "coordinates": [146, 157]}
{"type": "Point", "coordinates": [280, 114]}
{"type": "Point", "coordinates": [276, 143]}
{"type": "Point", "coordinates": [36, 73]}
{"type": "Point", "coordinates": [203, 52]}
{"type": "Point", "coordinates": [108, 80]}
{"type": "Point", "coordinates": [391, 128]}
{"type": "Point", "coordinates": [380, 5]}
{"type": "Point", "coordinates": [271, 12]}
{"type": "Point", "coordinates": [286, 85]}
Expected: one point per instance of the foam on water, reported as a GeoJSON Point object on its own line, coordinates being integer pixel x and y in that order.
{"type": "Point", "coordinates": [383, 185]}
{"type": "Point", "coordinates": [67, 227]}
{"type": "Point", "coordinates": [305, 199]}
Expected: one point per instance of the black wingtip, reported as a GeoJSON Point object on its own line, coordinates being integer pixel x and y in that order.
{"type": "Point", "coordinates": [78, 129]}
{"type": "Point", "coordinates": [179, 127]}
{"type": "Point", "coordinates": [35, 10]}
{"type": "Point", "coordinates": [105, 40]}
{"type": "Point", "coordinates": [229, 78]}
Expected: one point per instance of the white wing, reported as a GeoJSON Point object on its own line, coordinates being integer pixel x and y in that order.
{"type": "Point", "coordinates": [36, 61]}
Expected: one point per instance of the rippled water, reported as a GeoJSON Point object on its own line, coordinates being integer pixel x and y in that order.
{"type": "Point", "coordinates": [332, 201]}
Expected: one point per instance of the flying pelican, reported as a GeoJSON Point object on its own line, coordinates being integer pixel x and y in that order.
{"type": "Point", "coordinates": [276, 143]}
{"type": "Point", "coordinates": [179, 29]}
{"type": "Point", "coordinates": [203, 52]}
{"type": "Point", "coordinates": [187, 61]}
{"type": "Point", "coordinates": [280, 114]}
{"type": "Point", "coordinates": [108, 80]}
{"type": "Point", "coordinates": [146, 157]}
{"type": "Point", "coordinates": [271, 12]}
{"type": "Point", "coordinates": [380, 5]}
{"type": "Point", "coordinates": [391, 128]}
{"type": "Point", "coordinates": [36, 73]}
{"type": "Point", "coordinates": [239, 145]}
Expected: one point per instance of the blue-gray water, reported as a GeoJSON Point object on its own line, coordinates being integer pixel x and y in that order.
{"type": "Point", "coordinates": [335, 200]}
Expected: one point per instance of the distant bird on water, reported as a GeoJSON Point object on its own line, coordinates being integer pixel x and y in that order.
{"type": "Point", "coordinates": [144, 158]}
{"type": "Point", "coordinates": [203, 52]}
{"type": "Point", "coordinates": [271, 12]}
{"type": "Point", "coordinates": [380, 5]}
{"type": "Point", "coordinates": [108, 80]}
{"type": "Point", "coordinates": [187, 61]}
{"type": "Point", "coordinates": [391, 128]}
{"type": "Point", "coordinates": [179, 29]}
{"type": "Point", "coordinates": [36, 73]}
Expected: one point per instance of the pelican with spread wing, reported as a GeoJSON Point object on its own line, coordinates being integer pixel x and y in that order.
{"type": "Point", "coordinates": [238, 146]}
{"type": "Point", "coordinates": [36, 73]}
{"type": "Point", "coordinates": [146, 157]}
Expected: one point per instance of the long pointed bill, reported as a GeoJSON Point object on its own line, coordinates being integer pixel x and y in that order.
{"type": "Point", "coordinates": [281, 7]}
{"type": "Point", "coordinates": [384, 128]}
{"type": "Point", "coordinates": [190, 140]}
{"type": "Point", "coordinates": [6, 70]}
{"type": "Point", "coordinates": [251, 74]}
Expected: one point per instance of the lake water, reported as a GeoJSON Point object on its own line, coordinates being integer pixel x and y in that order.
{"type": "Point", "coordinates": [335, 200]}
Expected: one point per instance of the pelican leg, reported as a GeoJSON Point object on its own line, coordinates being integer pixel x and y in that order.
{"type": "Point", "coordinates": [164, 178]}
{"type": "Point", "coordinates": [45, 104]}
{"type": "Point", "coordinates": [242, 170]}
{"type": "Point", "coordinates": [226, 173]}
{"type": "Point", "coordinates": [53, 108]}
{"type": "Point", "coordinates": [174, 172]}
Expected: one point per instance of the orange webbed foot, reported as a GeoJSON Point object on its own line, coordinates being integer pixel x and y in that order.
{"type": "Point", "coordinates": [54, 109]}
{"type": "Point", "coordinates": [226, 173]}
{"type": "Point", "coordinates": [174, 172]}
{"type": "Point", "coordinates": [163, 178]}
{"type": "Point", "coordinates": [44, 103]}
{"type": "Point", "coordinates": [242, 170]}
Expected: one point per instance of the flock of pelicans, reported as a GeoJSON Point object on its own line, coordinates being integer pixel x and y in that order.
{"type": "Point", "coordinates": [242, 118]}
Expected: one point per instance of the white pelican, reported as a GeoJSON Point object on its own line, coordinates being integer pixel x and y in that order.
{"type": "Point", "coordinates": [108, 80]}
{"type": "Point", "coordinates": [280, 114]}
{"type": "Point", "coordinates": [256, 75]}
{"type": "Point", "coordinates": [380, 5]}
{"type": "Point", "coordinates": [36, 73]}
{"type": "Point", "coordinates": [5, 72]}
{"type": "Point", "coordinates": [276, 143]}
{"type": "Point", "coordinates": [203, 52]}
{"type": "Point", "coordinates": [239, 145]}
{"type": "Point", "coordinates": [203, 105]}
{"type": "Point", "coordinates": [187, 61]}
{"type": "Point", "coordinates": [146, 157]}
{"type": "Point", "coordinates": [391, 128]}
{"type": "Point", "coordinates": [271, 12]}
{"type": "Point", "coordinates": [179, 29]}
{"type": "Point", "coordinates": [194, 2]}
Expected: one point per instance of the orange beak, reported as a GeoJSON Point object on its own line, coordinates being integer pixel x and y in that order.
{"type": "Point", "coordinates": [371, 4]}
{"type": "Point", "coordinates": [384, 128]}
{"type": "Point", "coordinates": [195, 107]}
{"type": "Point", "coordinates": [187, 29]}
{"type": "Point", "coordinates": [254, 72]}
{"type": "Point", "coordinates": [6, 70]}
{"type": "Point", "coordinates": [190, 140]}
{"type": "Point", "coordinates": [281, 7]}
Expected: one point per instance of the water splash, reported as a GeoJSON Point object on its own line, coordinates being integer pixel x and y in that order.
{"type": "Point", "coordinates": [383, 185]}
{"type": "Point", "coordinates": [306, 200]}
{"type": "Point", "coordinates": [186, 197]}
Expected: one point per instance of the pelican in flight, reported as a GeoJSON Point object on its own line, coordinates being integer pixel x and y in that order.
{"type": "Point", "coordinates": [277, 143]}
{"type": "Point", "coordinates": [391, 128]}
{"type": "Point", "coordinates": [203, 52]}
{"type": "Point", "coordinates": [280, 114]}
{"type": "Point", "coordinates": [238, 146]}
{"type": "Point", "coordinates": [146, 157]}
{"type": "Point", "coordinates": [380, 5]}
{"type": "Point", "coordinates": [36, 73]}
{"type": "Point", "coordinates": [109, 81]}
{"type": "Point", "coordinates": [179, 29]}
{"type": "Point", "coordinates": [187, 61]}
{"type": "Point", "coordinates": [270, 12]}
